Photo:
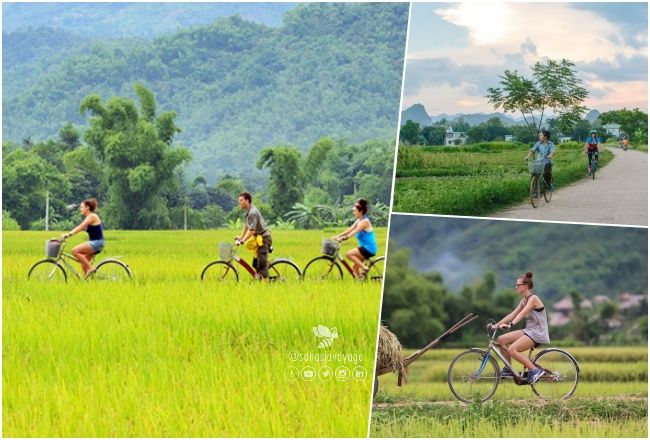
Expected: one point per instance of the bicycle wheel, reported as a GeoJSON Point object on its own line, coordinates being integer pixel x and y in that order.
{"type": "Point", "coordinates": [594, 167]}
{"type": "Point", "coordinates": [112, 270]}
{"type": "Point", "coordinates": [472, 377]}
{"type": "Point", "coordinates": [322, 269]}
{"type": "Point", "coordinates": [281, 271]}
{"type": "Point", "coordinates": [376, 270]}
{"type": "Point", "coordinates": [220, 271]}
{"type": "Point", "coordinates": [548, 194]}
{"type": "Point", "coordinates": [534, 191]}
{"type": "Point", "coordinates": [47, 270]}
{"type": "Point", "coordinates": [561, 374]}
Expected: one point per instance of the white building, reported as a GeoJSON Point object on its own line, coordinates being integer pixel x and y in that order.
{"type": "Point", "coordinates": [564, 139]}
{"type": "Point", "coordinates": [612, 129]}
{"type": "Point", "coordinates": [453, 138]}
{"type": "Point", "coordinates": [509, 138]}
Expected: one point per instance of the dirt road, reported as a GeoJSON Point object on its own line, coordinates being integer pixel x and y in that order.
{"type": "Point", "coordinates": [619, 195]}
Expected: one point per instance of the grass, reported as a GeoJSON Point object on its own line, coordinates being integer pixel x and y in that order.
{"type": "Point", "coordinates": [575, 418]}
{"type": "Point", "coordinates": [475, 180]}
{"type": "Point", "coordinates": [610, 401]}
{"type": "Point", "coordinates": [168, 356]}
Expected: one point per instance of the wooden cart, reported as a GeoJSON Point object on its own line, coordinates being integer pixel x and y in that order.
{"type": "Point", "coordinates": [415, 356]}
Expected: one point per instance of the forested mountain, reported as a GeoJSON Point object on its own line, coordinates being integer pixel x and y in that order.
{"type": "Point", "coordinates": [592, 260]}
{"type": "Point", "coordinates": [132, 19]}
{"type": "Point", "coordinates": [236, 86]}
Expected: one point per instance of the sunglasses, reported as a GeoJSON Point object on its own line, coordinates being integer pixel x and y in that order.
{"type": "Point", "coordinates": [522, 284]}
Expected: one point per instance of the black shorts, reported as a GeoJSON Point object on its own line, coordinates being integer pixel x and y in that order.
{"type": "Point", "coordinates": [365, 252]}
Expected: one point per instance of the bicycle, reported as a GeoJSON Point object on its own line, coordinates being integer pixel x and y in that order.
{"type": "Point", "coordinates": [474, 375]}
{"type": "Point", "coordinates": [224, 270]}
{"type": "Point", "coordinates": [538, 185]}
{"type": "Point", "coordinates": [328, 265]}
{"type": "Point", "coordinates": [593, 165]}
{"type": "Point", "coordinates": [57, 264]}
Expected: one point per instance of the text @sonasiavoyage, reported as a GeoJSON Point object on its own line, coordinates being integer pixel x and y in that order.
{"type": "Point", "coordinates": [315, 372]}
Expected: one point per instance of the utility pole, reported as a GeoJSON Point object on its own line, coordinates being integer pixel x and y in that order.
{"type": "Point", "coordinates": [185, 216]}
{"type": "Point", "coordinates": [47, 210]}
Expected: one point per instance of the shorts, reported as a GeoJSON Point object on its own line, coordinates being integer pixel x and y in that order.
{"type": "Point", "coordinates": [96, 245]}
{"type": "Point", "coordinates": [366, 253]}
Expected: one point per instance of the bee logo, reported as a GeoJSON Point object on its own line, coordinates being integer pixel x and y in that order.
{"type": "Point", "coordinates": [326, 335]}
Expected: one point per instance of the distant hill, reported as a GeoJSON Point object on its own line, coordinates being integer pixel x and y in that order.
{"type": "Point", "coordinates": [132, 19]}
{"type": "Point", "coordinates": [590, 259]}
{"type": "Point", "coordinates": [237, 86]}
{"type": "Point", "coordinates": [592, 115]}
{"type": "Point", "coordinates": [416, 113]}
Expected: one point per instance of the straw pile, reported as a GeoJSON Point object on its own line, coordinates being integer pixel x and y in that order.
{"type": "Point", "coordinates": [389, 354]}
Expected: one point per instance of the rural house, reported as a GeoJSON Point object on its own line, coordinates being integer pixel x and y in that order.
{"type": "Point", "coordinates": [612, 129]}
{"type": "Point", "coordinates": [454, 137]}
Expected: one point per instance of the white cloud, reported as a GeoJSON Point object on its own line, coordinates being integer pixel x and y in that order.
{"type": "Point", "coordinates": [615, 95]}
{"type": "Point", "coordinates": [556, 30]}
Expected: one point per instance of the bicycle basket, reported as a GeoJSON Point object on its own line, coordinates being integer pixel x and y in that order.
{"type": "Point", "coordinates": [226, 251]}
{"type": "Point", "coordinates": [330, 247]}
{"type": "Point", "coordinates": [536, 166]}
{"type": "Point", "coordinates": [52, 248]}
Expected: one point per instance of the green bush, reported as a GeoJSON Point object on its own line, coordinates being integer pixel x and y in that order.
{"type": "Point", "coordinates": [9, 223]}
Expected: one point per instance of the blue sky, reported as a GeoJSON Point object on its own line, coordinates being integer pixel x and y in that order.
{"type": "Point", "coordinates": [457, 50]}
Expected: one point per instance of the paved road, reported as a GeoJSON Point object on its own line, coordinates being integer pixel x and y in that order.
{"type": "Point", "coordinates": [619, 195]}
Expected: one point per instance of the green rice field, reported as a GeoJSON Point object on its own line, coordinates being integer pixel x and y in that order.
{"type": "Point", "coordinates": [611, 401]}
{"type": "Point", "coordinates": [476, 179]}
{"type": "Point", "coordinates": [169, 356]}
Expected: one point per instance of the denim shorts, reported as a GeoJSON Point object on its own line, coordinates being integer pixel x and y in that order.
{"type": "Point", "coordinates": [96, 245]}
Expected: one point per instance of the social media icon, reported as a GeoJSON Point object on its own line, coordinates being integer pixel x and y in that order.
{"type": "Point", "coordinates": [308, 373]}
{"type": "Point", "coordinates": [359, 373]}
{"type": "Point", "coordinates": [291, 374]}
{"type": "Point", "coordinates": [342, 374]}
{"type": "Point", "coordinates": [325, 373]}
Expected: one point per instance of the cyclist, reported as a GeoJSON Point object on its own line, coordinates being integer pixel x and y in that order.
{"type": "Point", "coordinates": [92, 224]}
{"type": "Point", "coordinates": [545, 149]}
{"type": "Point", "coordinates": [626, 143]}
{"type": "Point", "coordinates": [591, 148]}
{"type": "Point", "coordinates": [365, 234]}
{"type": "Point", "coordinates": [513, 344]}
{"type": "Point", "coordinates": [255, 227]}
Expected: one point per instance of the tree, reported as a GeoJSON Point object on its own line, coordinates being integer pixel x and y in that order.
{"type": "Point", "coordinates": [285, 177]}
{"type": "Point", "coordinates": [69, 136]}
{"type": "Point", "coordinates": [309, 217]}
{"type": "Point", "coordinates": [554, 87]}
{"type": "Point", "coordinates": [214, 216]}
{"type": "Point", "coordinates": [409, 134]}
{"type": "Point", "coordinates": [634, 123]}
{"type": "Point", "coordinates": [315, 158]}
{"type": "Point", "coordinates": [135, 148]}
{"type": "Point", "coordinates": [26, 178]}
{"type": "Point", "coordinates": [434, 134]}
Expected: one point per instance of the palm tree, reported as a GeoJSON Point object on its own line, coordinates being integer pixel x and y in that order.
{"type": "Point", "coordinates": [309, 217]}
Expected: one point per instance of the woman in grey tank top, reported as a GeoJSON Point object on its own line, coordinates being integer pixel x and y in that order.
{"type": "Point", "coordinates": [513, 344]}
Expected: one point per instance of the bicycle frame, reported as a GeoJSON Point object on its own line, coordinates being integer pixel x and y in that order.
{"type": "Point", "coordinates": [345, 263]}
{"type": "Point", "coordinates": [519, 380]}
{"type": "Point", "coordinates": [243, 263]}
{"type": "Point", "coordinates": [64, 258]}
